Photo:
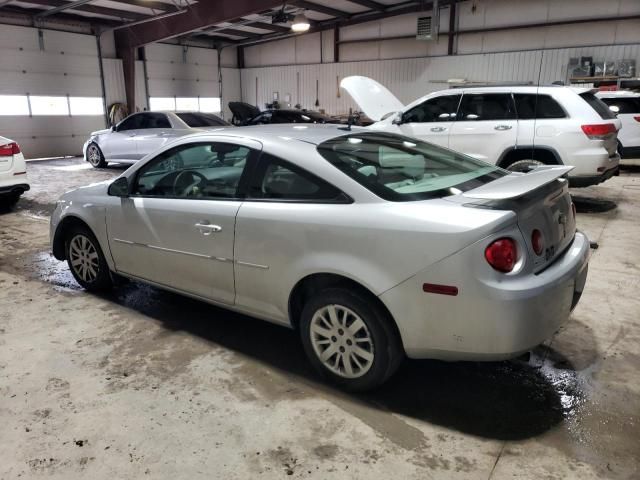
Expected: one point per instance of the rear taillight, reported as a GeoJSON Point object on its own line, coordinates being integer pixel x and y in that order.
{"type": "Point", "coordinates": [599, 131]}
{"type": "Point", "coordinates": [9, 149]}
{"type": "Point", "coordinates": [637, 119]}
{"type": "Point", "coordinates": [537, 241]}
{"type": "Point", "coordinates": [502, 254]}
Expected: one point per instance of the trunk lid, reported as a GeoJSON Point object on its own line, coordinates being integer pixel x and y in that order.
{"type": "Point", "coordinates": [541, 201]}
{"type": "Point", "coordinates": [243, 112]}
{"type": "Point", "coordinates": [374, 99]}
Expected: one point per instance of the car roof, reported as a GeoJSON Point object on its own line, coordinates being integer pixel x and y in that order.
{"type": "Point", "coordinates": [618, 93]}
{"type": "Point", "coordinates": [523, 89]}
{"type": "Point", "coordinates": [309, 133]}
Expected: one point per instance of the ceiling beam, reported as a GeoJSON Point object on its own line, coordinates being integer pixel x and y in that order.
{"type": "Point", "coordinates": [371, 5]}
{"type": "Point", "coordinates": [61, 8]}
{"type": "Point", "coordinates": [200, 15]}
{"type": "Point", "coordinates": [411, 7]}
{"type": "Point", "coordinates": [167, 7]}
{"type": "Point", "coordinates": [112, 12]}
{"type": "Point", "coordinates": [234, 32]}
{"type": "Point", "coordinates": [316, 7]}
{"type": "Point", "coordinates": [268, 26]}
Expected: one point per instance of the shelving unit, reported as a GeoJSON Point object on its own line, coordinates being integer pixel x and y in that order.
{"type": "Point", "coordinates": [608, 81]}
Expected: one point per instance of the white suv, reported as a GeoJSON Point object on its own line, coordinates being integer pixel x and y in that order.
{"type": "Point", "coordinates": [626, 105]}
{"type": "Point", "coordinates": [13, 172]}
{"type": "Point", "coordinates": [515, 127]}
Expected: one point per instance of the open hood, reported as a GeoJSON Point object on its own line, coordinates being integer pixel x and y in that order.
{"type": "Point", "coordinates": [374, 99]}
{"type": "Point", "coordinates": [243, 112]}
{"type": "Point", "coordinates": [516, 185]}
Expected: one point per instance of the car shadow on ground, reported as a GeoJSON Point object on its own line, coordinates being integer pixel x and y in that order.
{"type": "Point", "coordinates": [509, 400]}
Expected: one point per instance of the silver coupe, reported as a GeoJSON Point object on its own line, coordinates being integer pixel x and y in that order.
{"type": "Point", "coordinates": [372, 245]}
{"type": "Point", "coordinates": [142, 133]}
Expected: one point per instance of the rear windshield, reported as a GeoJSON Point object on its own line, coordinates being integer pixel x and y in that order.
{"type": "Point", "coordinates": [598, 105]}
{"type": "Point", "coordinates": [195, 120]}
{"type": "Point", "coordinates": [623, 104]}
{"type": "Point", "coordinates": [400, 168]}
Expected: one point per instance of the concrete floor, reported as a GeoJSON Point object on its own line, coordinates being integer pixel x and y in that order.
{"type": "Point", "coordinates": [145, 383]}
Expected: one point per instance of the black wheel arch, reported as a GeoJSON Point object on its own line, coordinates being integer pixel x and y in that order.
{"type": "Point", "coordinates": [547, 155]}
{"type": "Point", "coordinates": [311, 284]}
{"type": "Point", "coordinates": [60, 235]}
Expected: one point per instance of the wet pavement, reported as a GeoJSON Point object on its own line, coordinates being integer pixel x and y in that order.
{"type": "Point", "coordinates": [142, 382]}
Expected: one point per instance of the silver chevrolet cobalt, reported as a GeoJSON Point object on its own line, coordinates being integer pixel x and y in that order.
{"type": "Point", "coordinates": [372, 245]}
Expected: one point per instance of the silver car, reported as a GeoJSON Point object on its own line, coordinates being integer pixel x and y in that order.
{"type": "Point", "coordinates": [373, 245]}
{"type": "Point", "coordinates": [142, 133]}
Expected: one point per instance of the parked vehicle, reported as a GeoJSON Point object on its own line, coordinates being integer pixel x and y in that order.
{"type": "Point", "coordinates": [373, 245]}
{"type": "Point", "coordinates": [517, 128]}
{"type": "Point", "coordinates": [142, 133]}
{"type": "Point", "coordinates": [626, 105]}
{"type": "Point", "coordinates": [13, 172]}
{"type": "Point", "coordinates": [246, 114]}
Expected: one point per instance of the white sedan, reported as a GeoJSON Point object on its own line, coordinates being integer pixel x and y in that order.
{"type": "Point", "coordinates": [373, 245]}
{"type": "Point", "coordinates": [13, 172]}
{"type": "Point", "coordinates": [142, 133]}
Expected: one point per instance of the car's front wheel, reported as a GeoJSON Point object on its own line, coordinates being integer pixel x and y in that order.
{"type": "Point", "coordinates": [95, 156]}
{"type": "Point", "coordinates": [86, 260]}
{"type": "Point", "coordinates": [349, 339]}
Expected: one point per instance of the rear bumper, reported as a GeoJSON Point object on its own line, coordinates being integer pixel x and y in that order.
{"type": "Point", "coordinates": [492, 318]}
{"type": "Point", "coordinates": [589, 180]}
{"type": "Point", "coordinates": [17, 189]}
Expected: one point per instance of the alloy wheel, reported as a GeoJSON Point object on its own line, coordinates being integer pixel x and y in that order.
{"type": "Point", "coordinates": [84, 258]}
{"type": "Point", "coordinates": [93, 155]}
{"type": "Point", "coordinates": [342, 341]}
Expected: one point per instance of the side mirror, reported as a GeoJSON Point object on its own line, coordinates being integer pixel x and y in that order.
{"type": "Point", "coordinates": [614, 108]}
{"type": "Point", "coordinates": [398, 120]}
{"type": "Point", "coordinates": [113, 128]}
{"type": "Point", "coordinates": [119, 187]}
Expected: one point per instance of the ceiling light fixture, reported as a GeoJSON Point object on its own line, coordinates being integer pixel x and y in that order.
{"type": "Point", "coordinates": [300, 23]}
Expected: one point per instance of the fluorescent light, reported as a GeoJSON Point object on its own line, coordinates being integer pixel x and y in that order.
{"type": "Point", "coordinates": [300, 23]}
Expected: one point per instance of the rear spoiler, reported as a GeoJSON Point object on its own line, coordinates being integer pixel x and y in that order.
{"type": "Point", "coordinates": [518, 184]}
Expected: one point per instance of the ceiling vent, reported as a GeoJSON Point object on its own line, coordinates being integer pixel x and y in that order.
{"type": "Point", "coordinates": [428, 25]}
{"type": "Point", "coordinates": [425, 31]}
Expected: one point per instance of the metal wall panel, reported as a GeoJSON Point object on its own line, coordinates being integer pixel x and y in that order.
{"type": "Point", "coordinates": [411, 78]}
{"type": "Point", "coordinates": [67, 64]}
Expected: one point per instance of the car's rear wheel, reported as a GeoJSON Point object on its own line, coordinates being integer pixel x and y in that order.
{"type": "Point", "coordinates": [10, 200]}
{"type": "Point", "coordinates": [95, 156]}
{"type": "Point", "coordinates": [349, 339]}
{"type": "Point", "coordinates": [86, 260]}
{"type": "Point", "coordinates": [525, 165]}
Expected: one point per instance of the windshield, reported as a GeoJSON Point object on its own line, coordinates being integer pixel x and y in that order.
{"type": "Point", "coordinates": [399, 168]}
{"type": "Point", "coordinates": [195, 120]}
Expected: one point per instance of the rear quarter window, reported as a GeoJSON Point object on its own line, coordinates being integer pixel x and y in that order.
{"type": "Point", "coordinates": [624, 105]}
{"type": "Point", "coordinates": [531, 106]}
{"type": "Point", "coordinates": [598, 105]}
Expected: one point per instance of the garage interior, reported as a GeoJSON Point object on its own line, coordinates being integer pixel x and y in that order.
{"type": "Point", "coordinates": [144, 383]}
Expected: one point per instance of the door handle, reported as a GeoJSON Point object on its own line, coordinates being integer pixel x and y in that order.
{"type": "Point", "coordinates": [502, 127]}
{"type": "Point", "coordinates": [438, 129]}
{"type": "Point", "coordinates": [207, 228]}
{"type": "Point", "coordinates": [132, 135]}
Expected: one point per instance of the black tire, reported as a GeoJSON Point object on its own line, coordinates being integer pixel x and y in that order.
{"type": "Point", "coordinates": [524, 165]}
{"type": "Point", "coordinates": [95, 156]}
{"type": "Point", "coordinates": [386, 344]}
{"type": "Point", "coordinates": [9, 201]}
{"type": "Point", "coordinates": [99, 282]}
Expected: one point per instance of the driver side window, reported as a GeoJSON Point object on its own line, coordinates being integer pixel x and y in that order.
{"type": "Point", "coordinates": [199, 171]}
{"type": "Point", "coordinates": [439, 109]}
